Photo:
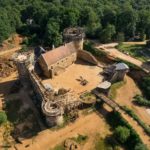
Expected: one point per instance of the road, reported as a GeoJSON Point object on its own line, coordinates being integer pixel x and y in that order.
{"type": "Point", "coordinates": [115, 53]}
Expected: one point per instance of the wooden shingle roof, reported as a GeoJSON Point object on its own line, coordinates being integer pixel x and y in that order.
{"type": "Point", "coordinates": [51, 57]}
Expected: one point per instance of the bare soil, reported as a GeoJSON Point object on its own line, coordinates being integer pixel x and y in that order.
{"type": "Point", "coordinates": [125, 96]}
{"type": "Point", "coordinates": [13, 41]}
{"type": "Point", "coordinates": [7, 66]}
{"type": "Point", "coordinates": [69, 78]}
{"type": "Point", "coordinates": [115, 53]}
{"type": "Point", "coordinates": [89, 125]}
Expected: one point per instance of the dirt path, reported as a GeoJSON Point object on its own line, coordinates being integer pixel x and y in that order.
{"type": "Point", "coordinates": [124, 98]}
{"type": "Point", "coordinates": [131, 89]}
{"type": "Point", "coordinates": [86, 125]}
{"type": "Point", "coordinates": [145, 138]}
{"type": "Point", "coordinates": [10, 51]}
{"type": "Point", "coordinates": [113, 52]}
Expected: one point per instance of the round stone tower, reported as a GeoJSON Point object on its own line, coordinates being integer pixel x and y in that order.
{"type": "Point", "coordinates": [75, 35]}
{"type": "Point", "coordinates": [53, 113]}
{"type": "Point", "coordinates": [21, 61]}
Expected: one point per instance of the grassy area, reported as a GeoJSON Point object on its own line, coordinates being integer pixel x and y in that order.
{"type": "Point", "coordinates": [106, 144]}
{"type": "Point", "coordinates": [101, 145]}
{"type": "Point", "coordinates": [59, 147]}
{"type": "Point", "coordinates": [140, 52]}
{"type": "Point", "coordinates": [131, 113]}
{"type": "Point", "coordinates": [113, 90]}
{"type": "Point", "coordinates": [141, 101]}
{"type": "Point", "coordinates": [81, 139]}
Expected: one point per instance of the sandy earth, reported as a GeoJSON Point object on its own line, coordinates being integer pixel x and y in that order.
{"type": "Point", "coordinates": [68, 79]}
{"type": "Point", "coordinates": [125, 96]}
{"type": "Point", "coordinates": [10, 51]}
{"type": "Point", "coordinates": [137, 43]}
{"type": "Point", "coordinates": [13, 41]}
{"type": "Point", "coordinates": [113, 52]}
{"type": "Point", "coordinates": [88, 125]}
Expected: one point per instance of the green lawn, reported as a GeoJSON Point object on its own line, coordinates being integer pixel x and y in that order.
{"type": "Point", "coordinates": [106, 144]}
{"type": "Point", "coordinates": [113, 90]}
{"type": "Point", "coordinates": [59, 147]}
{"type": "Point", "coordinates": [140, 52]}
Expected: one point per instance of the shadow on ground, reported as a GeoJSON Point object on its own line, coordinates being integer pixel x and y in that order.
{"type": "Point", "coordinates": [21, 112]}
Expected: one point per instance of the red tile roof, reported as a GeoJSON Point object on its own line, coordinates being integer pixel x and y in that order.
{"type": "Point", "coordinates": [59, 53]}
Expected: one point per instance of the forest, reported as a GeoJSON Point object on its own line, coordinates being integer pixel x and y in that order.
{"type": "Point", "coordinates": [43, 21]}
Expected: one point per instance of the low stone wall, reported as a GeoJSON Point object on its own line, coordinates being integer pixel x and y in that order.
{"type": "Point", "coordinates": [87, 56]}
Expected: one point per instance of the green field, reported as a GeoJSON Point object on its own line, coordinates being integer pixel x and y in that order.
{"type": "Point", "coordinates": [140, 52]}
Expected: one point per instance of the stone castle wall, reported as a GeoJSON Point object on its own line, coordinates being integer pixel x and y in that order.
{"type": "Point", "coordinates": [60, 66]}
{"type": "Point", "coordinates": [87, 56]}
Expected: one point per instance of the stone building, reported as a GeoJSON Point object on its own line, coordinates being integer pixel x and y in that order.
{"type": "Point", "coordinates": [76, 35]}
{"type": "Point", "coordinates": [116, 72]}
{"type": "Point", "coordinates": [119, 72]}
{"type": "Point", "coordinates": [57, 60]}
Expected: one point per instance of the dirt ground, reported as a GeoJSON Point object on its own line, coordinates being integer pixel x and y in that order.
{"type": "Point", "coordinates": [5, 85]}
{"type": "Point", "coordinates": [125, 96]}
{"type": "Point", "coordinates": [12, 42]}
{"type": "Point", "coordinates": [115, 53]}
{"type": "Point", "coordinates": [88, 125]}
{"type": "Point", "coordinates": [69, 78]}
{"type": "Point", "coordinates": [7, 66]}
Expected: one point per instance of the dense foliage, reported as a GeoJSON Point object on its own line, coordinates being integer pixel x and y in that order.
{"type": "Point", "coordinates": [137, 119]}
{"type": "Point", "coordinates": [122, 134]}
{"type": "Point", "coordinates": [3, 117]}
{"type": "Point", "coordinates": [44, 20]}
{"type": "Point", "coordinates": [133, 142]}
{"type": "Point", "coordinates": [141, 101]}
{"type": "Point", "coordinates": [145, 86]}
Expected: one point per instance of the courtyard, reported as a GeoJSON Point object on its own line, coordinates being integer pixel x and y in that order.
{"type": "Point", "coordinates": [70, 78]}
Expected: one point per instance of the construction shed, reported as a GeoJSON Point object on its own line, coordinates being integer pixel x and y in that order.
{"type": "Point", "coordinates": [55, 61]}
{"type": "Point", "coordinates": [104, 87]}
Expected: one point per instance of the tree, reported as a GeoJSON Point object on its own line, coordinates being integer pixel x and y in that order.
{"type": "Point", "coordinates": [89, 19]}
{"type": "Point", "coordinates": [109, 17]}
{"type": "Point", "coordinates": [5, 27]}
{"type": "Point", "coordinates": [142, 36]}
{"type": "Point", "coordinates": [144, 22]}
{"type": "Point", "coordinates": [120, 37]}
{"type": "Point", "coordinates": [3, 117]}
{"type": "Point", "coordinates": [52, 33]}
{"type": "Point", "coordinates": [108, 33]}
{"type": "Point", "coordinates": [145, 84]}
{"type": "Point", "coordinates": [126, 22]}
{"type": "Point", "coordinates": [140, 146]}
{"type": "Point", "coordinates": [122, 134]}
{"type": "Point", "coordinates": [70, 17]}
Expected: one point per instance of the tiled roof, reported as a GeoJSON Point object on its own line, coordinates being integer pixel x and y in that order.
{"type": "Point", "coordinates": [59, 53]}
